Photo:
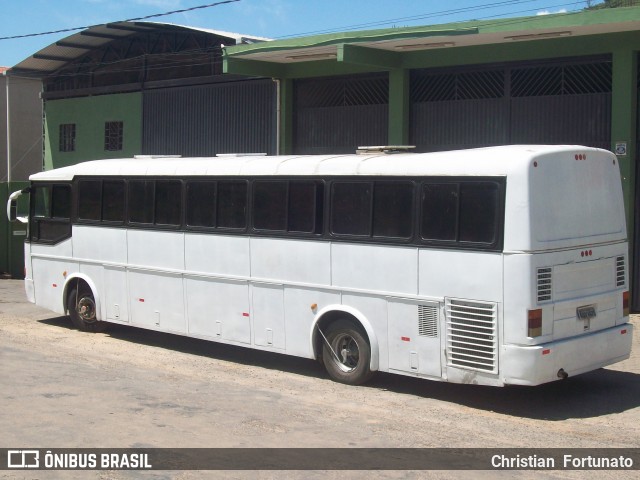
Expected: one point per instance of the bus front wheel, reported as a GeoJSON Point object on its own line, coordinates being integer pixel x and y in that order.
{"type": "Point", "coordinates": [346, 353]}
{"type": "Point", "coordinates": [82, 310]}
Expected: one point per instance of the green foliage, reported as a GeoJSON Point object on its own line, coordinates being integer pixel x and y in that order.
{"type": "Point", "coordinates": [612, 4]}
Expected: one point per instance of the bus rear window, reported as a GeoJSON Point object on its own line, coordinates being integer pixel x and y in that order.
{"type": "Point", "coordinates": [572, 201]}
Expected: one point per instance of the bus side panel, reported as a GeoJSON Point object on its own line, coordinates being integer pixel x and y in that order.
{"type": "Point", "coordinates": [152, 248]}
{"type": "Point", "coordinates": [299, 314]}
{"type": "Point", "coordinates": [217, 254]}
{"type": "Point", "coordinates": [111, 247]}
{"type": "Point", "coordinates": [455, 273]}
{"type": "Point", "coordinates": [115, 296]}
{"type": "Point", "coordinates": [415, 337]}
{"type": "Point", "coordinates": [218, 309]}
{"type": "Point", "coordinates": [267, 307]}
{"type": "Point", "coordinates": [377, 268]}
{"type": "Point", "coordinates": [157, 300]}
{"type": "Point", "coordinates": [28, 277]}
{"type": "Point", "coordinates": [49, 273]}
{"type": "Point", "coordinates": [518, 297]}
{"type": "Point", "coordinates": [291, 261]}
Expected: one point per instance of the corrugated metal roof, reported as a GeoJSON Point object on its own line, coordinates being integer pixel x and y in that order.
{"type": "Point", "coordinates": [58, 54]}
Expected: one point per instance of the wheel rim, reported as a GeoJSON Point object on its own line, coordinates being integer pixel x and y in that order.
{"type": "Point", "coordinates": [86, 309]}
{"type": "Point", "coordinates": [347, 352]}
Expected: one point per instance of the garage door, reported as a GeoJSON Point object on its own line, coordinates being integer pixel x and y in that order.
{"type": "Point", "coordinates": [339, 114]}
{"type": "Point", "coordinates": [204, 120]}
{"type": "Point", "coordinates": [566, 102]}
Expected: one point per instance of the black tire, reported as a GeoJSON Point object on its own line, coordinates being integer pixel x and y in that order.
{"type": "Point", "coordinates": [82, 311]}
{"type": "Point", "coordinates": [350, 344]}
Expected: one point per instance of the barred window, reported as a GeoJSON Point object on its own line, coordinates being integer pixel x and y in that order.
{"type": "Point", "coordinates": [113, 135]}
{"type": "Point", "coordinates": [67, 139]}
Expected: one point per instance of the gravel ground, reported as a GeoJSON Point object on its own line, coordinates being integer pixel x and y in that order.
{"type": "Point", "coordinates": [135, 388]}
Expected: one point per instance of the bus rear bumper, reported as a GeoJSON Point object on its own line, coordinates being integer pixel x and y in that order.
{"type": "Point", "coordinates": [534, 365]}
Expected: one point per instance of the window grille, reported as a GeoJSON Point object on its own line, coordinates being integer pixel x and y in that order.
{"type": "Point", "coordinates": [472, 335]}
{"type": "Point", "coordinates": [339, 92]}
{"type": "Point", "coordinates": [544, 284]}
{"type": "Point", "coordinates": [113, 136]}
{"type": "Point", "coordinates": [67, 137]}
{"type": "Point", "coordinates": [437, 87]}
{"type": "Point", "coordinates": [620, 272]}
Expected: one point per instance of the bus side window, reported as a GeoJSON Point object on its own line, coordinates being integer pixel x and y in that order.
{"type": "Point", "coordinates": [168, 202]}
{"type": "Point", "coordinates": [478, 212]}
{"type": "Point", "coordinates": [61, 201]}
{"type": "Point", "coordinates": [41, 200]}
{"type": "Point", "coordinates": [89, 199]}
{"type": "Point", "coordinates": [351, 208]}
{"type": "Point", "coordinates": [141, 201]}
{"type": "Point", "coordinates": [460, 212]}
{"type": "Point", "coordinates": [270, 205]}
{"type": "Point", "coordinates": [51, 221]}
{"type": "Point", "coordinates": [305, 207]}
{"type": "Point", "coordinates": [293, 206]}
{"type": "Point", "coordinates": [439, 211]}
{"type": "Point", "coordinates": [232, 204]}
{"type": "Point", "coordinates": [380, 210]}
{"type": "Point", "coordinates": [393, 210]}
{"type": "Point", "coordinates": [201, 204]}
{"type": "Point", "coordinates": [113, 195]}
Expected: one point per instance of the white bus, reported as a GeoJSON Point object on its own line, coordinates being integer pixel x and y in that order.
{"type": "Point", "coordinates": [494, 266]}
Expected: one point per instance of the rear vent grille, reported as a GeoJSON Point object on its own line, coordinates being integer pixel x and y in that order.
{"type": "Point", "coordinates": [428, 321]}
{"type": "Point", "coordinates": [620, 276]}
{"type": "Point", "coordinates": [472, 335]}
{"type": "Point", "coordinates": [544, 284]}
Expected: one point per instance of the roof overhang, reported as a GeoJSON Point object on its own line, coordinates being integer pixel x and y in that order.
{"type": "Point", "coordinates": [393, 48]}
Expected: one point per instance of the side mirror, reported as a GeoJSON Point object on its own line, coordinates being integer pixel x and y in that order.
{"type": "Point", "coordinates": [12, 210]}
{"type": "Point", "coordinates": [12, 207]}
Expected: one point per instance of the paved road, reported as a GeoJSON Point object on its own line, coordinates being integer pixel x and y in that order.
{"type": "Point", "coordinates": [135, 388]}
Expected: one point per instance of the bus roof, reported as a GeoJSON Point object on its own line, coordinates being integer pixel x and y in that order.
{"type": "Point", "coordinates": [489, 161]}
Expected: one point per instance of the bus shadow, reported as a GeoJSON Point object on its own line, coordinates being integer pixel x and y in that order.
{"type": "Point", "coordinates": [205, 348]}
{"type": "Point", "coordinates": [593, 394]}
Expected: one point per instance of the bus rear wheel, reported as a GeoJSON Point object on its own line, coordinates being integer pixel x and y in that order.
{"type": "Point", "coordinates": [82, 311]}
{"type": "Point", "coordinates": [346, 353]}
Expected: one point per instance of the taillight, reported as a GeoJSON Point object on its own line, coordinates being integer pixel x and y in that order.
{"type": "Point", "coordinates": [625, 303]}
{"type": "Point", "coordinates": [534, 322]}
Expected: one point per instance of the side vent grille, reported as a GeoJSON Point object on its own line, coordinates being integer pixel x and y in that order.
{"type": "Point", "coordinates": [544, 284]}
{"type": "Point", "coordinates": [620, 276]}
{"type": "Point", "coordinates": [472, 335]}
{"type": "Point", "coordinates": [428, 321]}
